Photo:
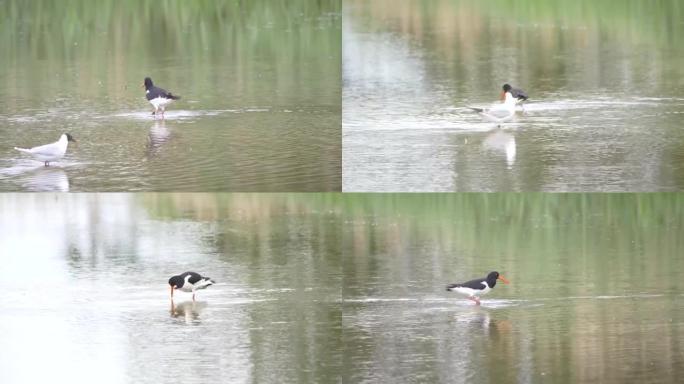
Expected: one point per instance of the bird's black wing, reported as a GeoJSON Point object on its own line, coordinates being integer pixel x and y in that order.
{"type": "Point", "coordinates": [472, 284]}
{"type": "Point", "coordinates": [194, 277]}
{"type": "Point", "coordinates": [519, 94]}
{"type": "Point", "coordinates": [155, 92]}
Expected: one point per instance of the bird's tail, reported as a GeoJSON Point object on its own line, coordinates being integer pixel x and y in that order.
{"type": "Point", "coordinates": [173, 97]}
{"type": "Point", "coordinates": [22, 149]}
{"type": "Point", "coordinates": [451, 286]}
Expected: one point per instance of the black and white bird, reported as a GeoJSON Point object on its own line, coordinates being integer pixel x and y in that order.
{"type": "Point", "coordinates": [189, 282]}
{"type": "Point", "coordinates": [518, 94]}
{"type": "Point", "coordinates": [478, 287]}
{"type": "Point", "coordinates": [158, 97]}
{"type": "Point", "coordinates": [49, 152]}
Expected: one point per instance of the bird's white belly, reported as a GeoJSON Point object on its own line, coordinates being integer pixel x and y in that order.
{"type": "Point", "coordinates": [44, 157]}
{"type": "Point", "coordinates": [50, 152]}
{"type": "Point", "coordinates": [189, 287]}
{"type": "Point", "coordinates": [159, 102]}
{"type": "Point", "coordinates": [471, 292]}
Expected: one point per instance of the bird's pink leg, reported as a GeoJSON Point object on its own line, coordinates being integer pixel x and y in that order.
{"type": "Point", "coordinates": [193, 297]}
{"type": "Point", "coordinates": [475, 299]}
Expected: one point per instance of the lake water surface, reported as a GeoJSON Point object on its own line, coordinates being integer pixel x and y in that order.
{"type": "Point", "coordinates": [86, 298]}
{"type": "Point", "coordinates": [329, 288]}
{"type": "Point", "coordinates": [604, 79]}
{"type": "Point", "coordinates": [259, 81]}
{"type": "Point", "coordinates": [596, 292]}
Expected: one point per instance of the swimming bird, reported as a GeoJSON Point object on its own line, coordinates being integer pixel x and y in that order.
{"type": "Point", "coordinates": [518, 94]}
{"type": "Point", "coordinates": [189, 282]}
{"type": "Point", "coordinates": [158, 97]}
{"type": "Point", "coordinates": [478, 287]}
{"type": "Point", "coordinates": [50, 152]}
{"type": "Point", "coordinates": [499, 113]}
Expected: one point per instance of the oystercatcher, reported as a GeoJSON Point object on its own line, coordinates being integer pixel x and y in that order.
{"type": "Point", "coordinates": [50, 152]}
{"type": "Point", "coordinates": [478, 287]}
{"type": "Point", "coordinates": [158, 97]}
{"type": "Point", "coordinates": [189, 282]}
{"type": "Point", "coordinates": [518, 94]}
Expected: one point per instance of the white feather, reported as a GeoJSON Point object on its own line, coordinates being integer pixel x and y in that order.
{"type": "Point", "coordinates": [189, 287]}
{"type": "Point", "coordinates": [48, 152]}
{"type": "Point", "coordinates": [472, 292]}
{"type": "Point", "coordinates": [160, 102]}
{"type": "Point", "coordinates": [499, 113]}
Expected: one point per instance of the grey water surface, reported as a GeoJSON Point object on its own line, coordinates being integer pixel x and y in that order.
{"type": "Point", "coordinates": [85, 295]}
{"type": "Point", "coordinates": [604, 80]}
{"type": "Point", "coordinates": [259, 83]}
{"type": "Point", "coordinates": [595, 296]}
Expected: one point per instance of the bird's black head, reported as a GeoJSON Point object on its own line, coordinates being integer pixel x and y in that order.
{"type": "Point", "coordinates": [492, 277]}
{"type": "Point", "coordinates": [70, 138]}
{"type": "Point", "coordinates": [176, 281]}
{"type": "Point", "coordinates": [148, 83]}
{"type": "Point", "coordinates": [507, 87]}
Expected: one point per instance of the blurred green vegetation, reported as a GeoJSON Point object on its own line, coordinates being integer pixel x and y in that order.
{"type": "Point", "coordinates": [545, 44]}
{"type": "Point", "coordinates": [105, 47]}
{"type": "Point", "coordinates": [582, 236]}
{"type": "Point", "coordinates": [654, 22]}
{"type": "Point", "coordinates": [646, 209]}
{"type": "Point", "coordinates": [257, 207]}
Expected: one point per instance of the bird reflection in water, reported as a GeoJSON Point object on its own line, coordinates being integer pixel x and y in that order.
{"type": "Point", "coordinates": [44, 179]}
{"type": "Point", "coordinates": [189, 311]}
{"type": "Point", "coordinates": [157, 137]}
{"type": "Point", "coordinates": [479, 318]}
{"type": "Point", "coordinates": [500, 141]}
{"type": "Point", "coordinates": [476, 316]}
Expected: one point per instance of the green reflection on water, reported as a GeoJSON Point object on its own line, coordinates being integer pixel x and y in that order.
{"type": "Point", "coordinates": [98, 264]}
{"type": "Point", "coordinates": [545, 45]}
{"type": "Point", "coordinates": [604, 79]}
{"type": "Point", "coordinates": [596, 291]}
{"type": "Point", "coordinates": [594, 277]}
{"type": "Point", "coordinates": [260, 87]}
{"type": "Point", "coordinates": [261, 44]}
{"type": "Point", "coordinates": [584, 236]}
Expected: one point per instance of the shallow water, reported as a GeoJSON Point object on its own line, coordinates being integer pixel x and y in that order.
{"type": "Point", "coordinates": [85, 293]}
{"type": "Point", "coordinates": [604, 112]}
{"type": "Point", "coordinates": [595, 291]}
{"type": "Point", "coordinates": [330, 288]}
{"type": "Point", "coordinates": [253, 116]}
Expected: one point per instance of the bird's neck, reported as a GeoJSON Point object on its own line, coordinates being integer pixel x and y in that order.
{"type": "Point", "coordinates": [63, 142]}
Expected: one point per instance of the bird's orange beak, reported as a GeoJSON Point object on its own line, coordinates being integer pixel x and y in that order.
{"type": "Point", "coordinates": [503, 95]}
{"type": "Point", "coordinates": [172, 287]}
{"type": "Point", "coordinates": [503, 279]}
